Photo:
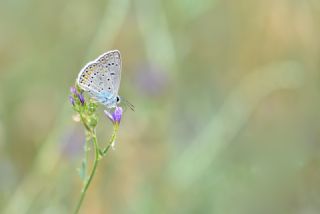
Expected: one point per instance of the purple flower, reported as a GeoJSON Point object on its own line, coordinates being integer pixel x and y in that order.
{"type": "Point", "coordinates": [71, 100]}
{"type": "Point", "coordinates": [75, 93]}
{"type": "Point", "coordinates": [116, 116]}
{"type": "Point", "coordinates": [81, 98]}
{"type": "Point", "coordinates": [73, 90]}
{"type": "Point", "coordinates": [152, 80]}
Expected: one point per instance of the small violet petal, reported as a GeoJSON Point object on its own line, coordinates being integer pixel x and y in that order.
{"type": "Point", "coordinates": [71, 100]}
{"type": "Point", "coordinates": [81, 98]}
{"type": "Point", "coordinates": [117, 114]}
{"type": "Point", "coordinates": [73, 90]}
{"type": "Point", "coordinates": [109, 115]}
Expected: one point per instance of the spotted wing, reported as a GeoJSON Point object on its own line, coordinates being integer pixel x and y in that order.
{"type": "Point", "coordinates": [110, 63]}
{"type": "Point", "coordinates": [86, 79]}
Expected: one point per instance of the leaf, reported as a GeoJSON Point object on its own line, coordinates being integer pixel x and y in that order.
{"type": "Point", "coordinates": [83, 170]}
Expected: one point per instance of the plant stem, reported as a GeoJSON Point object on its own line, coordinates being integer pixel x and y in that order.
{"type": "Point", "coordinates": [93, 171]}
{"type": "Point", "coordinates": [97, 154]}
{"type": "Point", "coordinates": [113, 138]}
{"type": "Point", "coordinates": [85, 123]}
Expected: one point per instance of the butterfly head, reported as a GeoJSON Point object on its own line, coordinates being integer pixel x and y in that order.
{"type": "Point", "coordinates": [118, 99]}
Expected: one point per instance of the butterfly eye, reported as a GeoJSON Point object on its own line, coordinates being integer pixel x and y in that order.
{"type": "Point", "coordinates": [118, 99]}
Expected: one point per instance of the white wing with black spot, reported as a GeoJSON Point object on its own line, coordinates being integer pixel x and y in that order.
{"type": "Point", "coordinates": [111, 62]}
{"type": "Point", "coordinates": [103, 75]}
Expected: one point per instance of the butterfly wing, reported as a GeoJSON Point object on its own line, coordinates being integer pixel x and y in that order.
{"type": "Point", "coordinates": [101, 78]}
{"type": "Point", "coordinates": [86, 79]}
{"type": "Point", "coordinates": [111, 63]}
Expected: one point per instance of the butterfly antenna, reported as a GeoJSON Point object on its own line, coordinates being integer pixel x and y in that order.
{"type": "Point", "coordinates": [127, 103]}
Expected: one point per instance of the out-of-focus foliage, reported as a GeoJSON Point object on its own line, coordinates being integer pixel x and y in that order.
{"type": "Point", "coordinates": [226, 96]}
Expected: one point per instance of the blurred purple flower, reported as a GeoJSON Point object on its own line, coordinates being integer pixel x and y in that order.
{"type": "Point", "coordinates": [69, 142]}
{"type": "Point", "coordinates": [152, 80]}
{"type": "Point", "coordinates": [71, 100]}
{"type": "Point", "coordinates": [73, 90]}
{"type": "Point", "coordinates": [116, 116]}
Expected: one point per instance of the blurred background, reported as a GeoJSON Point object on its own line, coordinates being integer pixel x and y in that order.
{"type": "Point", "coordinates": [226, 96]}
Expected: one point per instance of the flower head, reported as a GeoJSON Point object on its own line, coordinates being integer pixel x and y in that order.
{"type": "Point", "coordinates": [71, 100]}
{"type": "Point", "coordinates": [81, 98]}
{"type": "Point", "coordinates": [73, 90]}
{"type": "Point", "coordinates": [116, 116]}
{"type": "Point", "coordinates": [76, 96]}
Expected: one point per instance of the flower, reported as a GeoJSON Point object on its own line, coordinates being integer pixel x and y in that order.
{"type": "Point", "coordinates": [76, 94]}
{"type": "Point", "coordinates": [73, 90]}
{"type": "Point", "coordinates": [71, 100]}
{"type": "Point", "coordinates": [152, 80]}
{"type": "Point", "coordinates": [81, 98]}
{"type": "Point", "coordinates": [116, 116]}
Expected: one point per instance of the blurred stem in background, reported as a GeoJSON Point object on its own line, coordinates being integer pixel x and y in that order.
{"type": "Point", "coordinates": [111, 23]}
{"type": "Point", "coordinates": [159, 44]}
{"type": "Point", "coordinates": [194, 162]}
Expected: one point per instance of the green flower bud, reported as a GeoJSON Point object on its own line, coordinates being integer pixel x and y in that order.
{"type": "Point", "coordinates": [92, 121]}
{"type": "Point", "coordinates": [92, 107]}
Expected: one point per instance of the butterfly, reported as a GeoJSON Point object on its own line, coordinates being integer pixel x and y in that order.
{"type": "Point", "coordinates": [101, 79]}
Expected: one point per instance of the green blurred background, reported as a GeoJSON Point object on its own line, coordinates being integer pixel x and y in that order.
{"type": "Point", "coordinates": [226, 96]}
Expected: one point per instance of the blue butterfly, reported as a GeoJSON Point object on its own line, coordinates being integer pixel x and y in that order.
{"type": "Point", "coordinates": [101, 79]}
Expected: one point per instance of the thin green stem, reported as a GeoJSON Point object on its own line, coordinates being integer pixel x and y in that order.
{"type": "Point", "coordinates": [98, 154]}
{"type": "Point", "coordinates": [112, 139]}
{"type": "Point", "coordinates": [86, 156]}
{"type": "Point", "coordinates": [85, 123]}
{"type": "Point", "coordinates": [93, 171]}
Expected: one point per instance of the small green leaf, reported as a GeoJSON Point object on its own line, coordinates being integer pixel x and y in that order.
{"type": "Point", "coordinates": [83, 170]}
{"type": "Point", "coordinates": [92, 107]}
{"type": "Point", "coordinates": [92, 121]}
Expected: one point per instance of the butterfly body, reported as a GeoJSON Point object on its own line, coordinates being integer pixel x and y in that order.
{"type": "Point", "coordinates": [101, 78]}
{"type": "Point", "coordinates": [107, 99]}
